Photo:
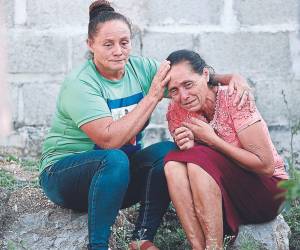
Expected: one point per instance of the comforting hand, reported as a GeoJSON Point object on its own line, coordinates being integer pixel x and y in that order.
{"type": "Point", "coordinates": [184, 138]}
{"type": "Point", "coordinates": [160, 81]}
{"type": "Point", "coordinates": [243, 91]}
{"type": "Point", "coordinates": [202, 131]}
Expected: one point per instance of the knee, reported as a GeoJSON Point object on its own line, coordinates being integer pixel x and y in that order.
{"type": "Point", "coordinates": [168, 169]}
{"type": "Point", "coordinates": [116, 163]}
{"type": "Point", "coordinates": [171, 170]}
{"type": "Point", "coordinates": [198, 175]}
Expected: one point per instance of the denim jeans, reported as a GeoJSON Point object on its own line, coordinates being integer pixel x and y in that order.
{"type": "Point", "coordinates": [103, 181]}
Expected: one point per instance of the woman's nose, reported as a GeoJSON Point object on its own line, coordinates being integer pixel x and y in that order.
{"type": "Point", "coordinates": [117, 50]}
{"type": "Point", "coordinates": [184, 94]}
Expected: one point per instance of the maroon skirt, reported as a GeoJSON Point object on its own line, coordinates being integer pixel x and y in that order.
{"type": "Point", "coordinates": [248, 198]}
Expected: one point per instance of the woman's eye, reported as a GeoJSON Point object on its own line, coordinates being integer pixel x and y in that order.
{"type": "Point", "coordinates": [125, 43]}
{"type": "Point", "coordinates": [188, 84]}
{"type": "Point", "coordinates": [173, 92]}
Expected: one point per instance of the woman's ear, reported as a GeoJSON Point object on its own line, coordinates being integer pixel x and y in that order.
{"type": "Point", "coordinates": [89, 43]}
{"type": "Point", "coordinates": [206, 74]}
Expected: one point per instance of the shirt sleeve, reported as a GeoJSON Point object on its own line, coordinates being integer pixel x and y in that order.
{"type": "Point", "coordinates": [83, 103]}
{"type": "Point", "coordinates": [244, 117]}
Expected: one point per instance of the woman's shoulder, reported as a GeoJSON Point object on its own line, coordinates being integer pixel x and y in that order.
{"type": "Point", "coordinates": [84, 73]}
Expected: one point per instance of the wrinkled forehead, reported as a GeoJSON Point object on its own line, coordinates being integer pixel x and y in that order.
{"type": "Point", "coordinates": [113, 28]}
{"type": "Point", "coordinates": [179, 74]}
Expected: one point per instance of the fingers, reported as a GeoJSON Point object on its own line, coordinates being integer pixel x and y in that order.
{"type": "Point", "coordinates": [182, 141]}
{"type": "Point", "coordinates": [231, 87]}
{"type": "Point", "coordinates": [166, 80]}
{"type": "Point", "coordinates": [186, 144]}
{"type": "Point", "coordinates": [183, 132]}
{"type": "Point", "coordinates": [238, 96]}
{"type": "Point", "coordinates": [252, 101]}
{"type": "Point", "coordinates": [243, 99]}
{"type": "Point", "coordinates": [163, 70]}
{"type": "Point", "coordinates": [160, 80]}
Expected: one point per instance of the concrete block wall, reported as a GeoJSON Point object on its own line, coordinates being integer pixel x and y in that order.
{"type": "Point", "coordinates": [258, 39]}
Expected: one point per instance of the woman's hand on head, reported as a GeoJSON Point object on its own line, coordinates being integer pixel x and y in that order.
{"type": "Point", "coordinates": [243, 91]}
{"type": "Point", "coordinates": [202, 131]}
{"type": "Point", "coordinates": [184, 138]}
{"type": "Point", "coordinates": [160, 81]}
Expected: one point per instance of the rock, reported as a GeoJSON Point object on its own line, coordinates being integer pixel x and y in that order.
{"type": "Point", "coordinates": [273, 235]}
{"type": "Point", "coordinates": [36, 223]}
{"type": "Point", "coordinates": [32, 222]}
{"type": "Point", "coordinates": [49, 229]}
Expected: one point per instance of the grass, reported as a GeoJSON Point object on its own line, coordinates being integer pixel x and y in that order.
{"type": "Point", "coordinates": [26, 164]}
{"type": "Point", "coordinates": [292, 218]}
{"type": "Point", "coordinates": [7, 180]}
{"type": "Point", "coordinates": [170, 235]}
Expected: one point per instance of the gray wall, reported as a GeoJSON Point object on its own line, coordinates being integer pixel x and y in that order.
{"type": "Point", "coordinates": [258, 39]}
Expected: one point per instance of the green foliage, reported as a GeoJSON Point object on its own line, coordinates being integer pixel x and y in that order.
{"type": "Point", "coordinates": [29, 165]}
{"type": "Point", "coordinates": [292, 186]}
{"type": "Point", "coordinates": [7, 180]}
{"type": "Point", "coordinates": [170, 235]}
{"type": "Point", "coordinates": [292, 217]}
{"type": "Point", "coordinates": [249, 243]}
{"type": "Point", "coordinates": [292, 212]}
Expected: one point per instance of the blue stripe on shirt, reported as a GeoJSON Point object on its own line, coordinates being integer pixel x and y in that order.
{"type": "Point", "coordinates": [124, 102]}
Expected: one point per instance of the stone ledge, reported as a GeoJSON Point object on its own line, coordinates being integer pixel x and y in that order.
{"type": "Point", "coordinates": [32, 222]}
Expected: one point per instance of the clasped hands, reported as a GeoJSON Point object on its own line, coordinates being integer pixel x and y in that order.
{"type": "Point", "coordinates": [195, 130]}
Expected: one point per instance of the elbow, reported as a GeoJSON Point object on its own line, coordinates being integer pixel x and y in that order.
{"type": "Point", "coordinates": [108, 143]}
{"type": "Point", "coordinates": [269, 169]}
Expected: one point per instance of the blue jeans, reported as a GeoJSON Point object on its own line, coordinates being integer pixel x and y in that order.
{"type": "Point", "coordinates": [103, 181]}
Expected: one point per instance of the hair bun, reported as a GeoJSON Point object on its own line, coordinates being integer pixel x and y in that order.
{"type": "Point", "coordinates": [99, 6]}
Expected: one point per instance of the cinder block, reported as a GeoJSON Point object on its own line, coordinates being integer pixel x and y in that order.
{"type": "Point", "coordinates": [7, 11]}
{"type": "Point", "coordinates": [270, 100]}
{"type": "Point", "coordinates": [187, 12]}
{"type": "Point", "coordinates": [295, 52]}
{"type": "Point", "coordinates": [281, 138]}
{"type": "Point", "coordinates": [136, 41]}
{"type": "Point", "coordinates": [57, 13]}
{"type": "Point", "coordinates": [160, 45]}
{"type": "Point", "coordinates": [33, 53]}
{"type": "Point", "coordinates": [24, 142]}
{"type": "Point", "coordinates": [80, 50]}
{"type": "Point", "coordinates": [39, 103]}
{"type": "Point", "coordinates": [135, 11]}
{"type": "Point", "coordinates": [267, 12]}
{"type": "Point", "coordinates": [256, 55]}
{"type": "Point", "coordinates": [14, 101]}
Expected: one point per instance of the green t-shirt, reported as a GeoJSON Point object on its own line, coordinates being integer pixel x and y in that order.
{"type": "Point", "coordinates": [86, 96]}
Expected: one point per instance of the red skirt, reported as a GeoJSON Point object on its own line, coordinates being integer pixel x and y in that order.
{"type": "Point", "coordinates": [248, 198]}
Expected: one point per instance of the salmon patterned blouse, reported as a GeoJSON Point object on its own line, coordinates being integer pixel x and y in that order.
{"type": "Point", "coordinates": [227, 122]}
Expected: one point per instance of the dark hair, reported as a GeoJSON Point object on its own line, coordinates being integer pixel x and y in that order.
{"type": "Point", "coordinates": [100, 11]}
{"type": "Point", "coordinates": [196, 62]}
